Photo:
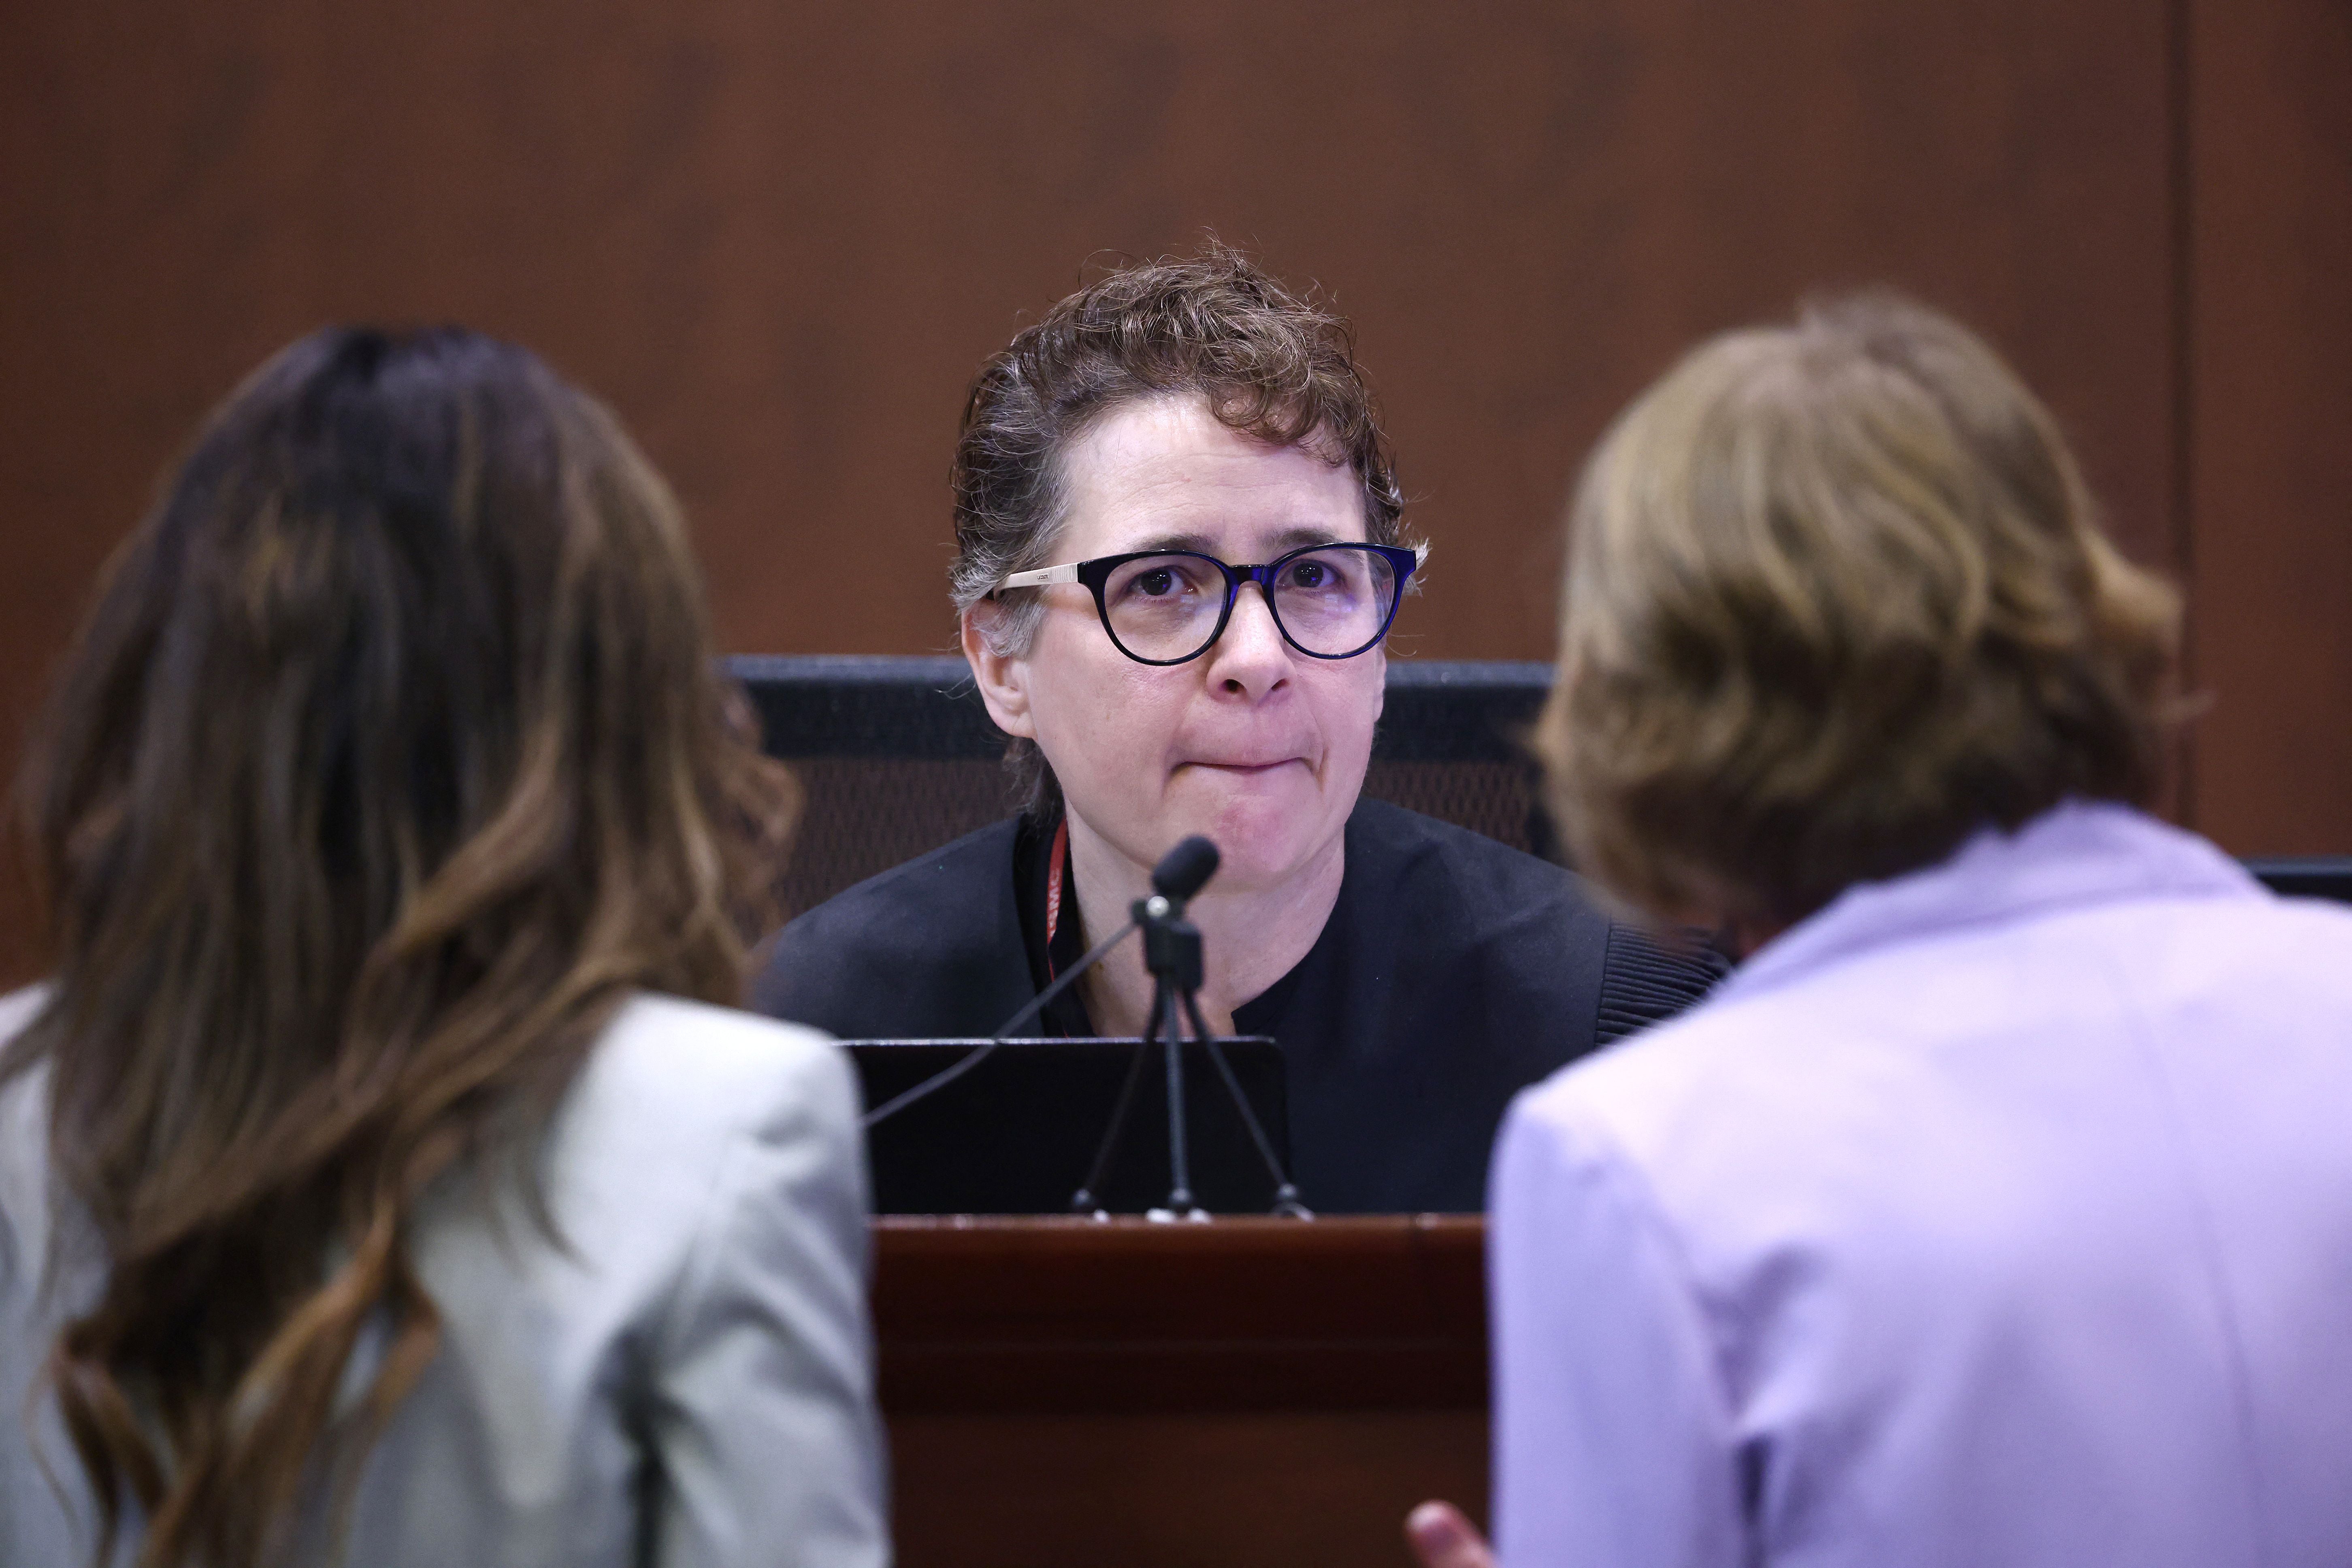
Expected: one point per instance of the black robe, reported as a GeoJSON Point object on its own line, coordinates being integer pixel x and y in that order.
{"type": "Point", "coordinates": [1453, 971]}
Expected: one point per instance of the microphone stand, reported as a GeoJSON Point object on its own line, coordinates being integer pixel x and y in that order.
{"type": "Point", "coordinates": [1171, 951]}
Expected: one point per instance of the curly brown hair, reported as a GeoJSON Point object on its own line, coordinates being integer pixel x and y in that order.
{"type": "Point", "coordinates": [1270, 363]}
{"type": "Point", "coordinates": [1837, 597]}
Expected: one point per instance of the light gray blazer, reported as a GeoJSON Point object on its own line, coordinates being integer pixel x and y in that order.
{"type": "Point", "coordinates": [686, 1379]}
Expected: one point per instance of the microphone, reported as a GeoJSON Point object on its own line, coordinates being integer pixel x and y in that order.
{"type": "Point", "coordinates": [1181, 872]}
{"type": "Point", "coordinates": [1185, 870]}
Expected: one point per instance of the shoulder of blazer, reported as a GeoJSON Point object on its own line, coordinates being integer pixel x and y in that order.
{"type": "Point", "coordinates": [710, 1071]}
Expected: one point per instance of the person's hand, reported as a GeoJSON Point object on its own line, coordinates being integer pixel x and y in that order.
{"type": "Point", "coordinates": [1442, 1538]}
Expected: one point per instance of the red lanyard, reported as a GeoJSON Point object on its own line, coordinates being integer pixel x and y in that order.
{"type": "Point", "coordinates": [1053, 889]}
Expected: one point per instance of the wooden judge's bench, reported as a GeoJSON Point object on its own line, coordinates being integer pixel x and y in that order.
{"type": "Point", "coordinates": [1130, 1395]}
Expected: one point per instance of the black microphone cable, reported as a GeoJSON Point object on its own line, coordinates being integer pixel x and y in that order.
{"type": "Point", "coordinates": [980, 1053]}
{"type": "Point", "coordinates": [1180, 873]}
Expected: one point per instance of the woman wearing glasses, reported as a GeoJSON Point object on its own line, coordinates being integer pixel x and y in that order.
{"type": "Point", "coordinates": [1178, 558]}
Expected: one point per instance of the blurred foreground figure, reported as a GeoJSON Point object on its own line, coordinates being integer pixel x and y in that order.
{"type": "Point", "coordinates": [377, 1168]}
{"type": "Point", "coordinates": [1997, 1209]}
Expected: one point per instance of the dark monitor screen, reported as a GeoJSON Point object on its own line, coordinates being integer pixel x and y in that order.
{"type": "Point", "coordinates": [1018, 1133]}
{"type": "Point", "coordinates": [2306, 876]}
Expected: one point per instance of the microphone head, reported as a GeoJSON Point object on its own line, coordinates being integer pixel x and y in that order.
{"type": "Point", "coordinates": [1185, 870]}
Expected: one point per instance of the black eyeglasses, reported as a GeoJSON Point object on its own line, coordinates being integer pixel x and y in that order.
{"type": "Point", "coordinates": [1168, 607]}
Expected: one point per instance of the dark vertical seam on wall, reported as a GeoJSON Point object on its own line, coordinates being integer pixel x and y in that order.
{"type": "Point", "coordinates": [2179, 109]}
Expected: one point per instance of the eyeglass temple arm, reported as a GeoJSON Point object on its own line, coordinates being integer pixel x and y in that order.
{"type": "Point", "coordinates": [1065, 572]}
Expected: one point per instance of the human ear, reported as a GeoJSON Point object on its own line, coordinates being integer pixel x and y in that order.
{"type": "Point", "coordinates": [1002, 679]}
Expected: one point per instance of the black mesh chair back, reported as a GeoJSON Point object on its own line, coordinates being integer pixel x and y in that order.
{"type": "Point", "coordinates": [897, 756]}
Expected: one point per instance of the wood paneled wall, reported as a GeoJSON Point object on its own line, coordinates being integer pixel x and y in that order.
{"type": "Point", "coordinates": [2267, 426]}
{"type": "Point", "coordinates": [779, 238]}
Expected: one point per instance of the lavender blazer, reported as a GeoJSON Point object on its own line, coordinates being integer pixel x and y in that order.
{"type": "Point", "coordinates": [1997, 1213]}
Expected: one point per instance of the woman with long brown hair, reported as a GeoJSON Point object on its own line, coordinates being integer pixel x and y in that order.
{"type": "Point", "coordinates": [376, 1175]}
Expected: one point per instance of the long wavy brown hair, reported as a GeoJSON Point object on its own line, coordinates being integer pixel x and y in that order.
{"type": "Point", "coordinates": [392, 758]}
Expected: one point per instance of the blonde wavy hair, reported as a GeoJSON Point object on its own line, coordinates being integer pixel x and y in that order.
{"type": "Point", "coordinates": [1836, 598]}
